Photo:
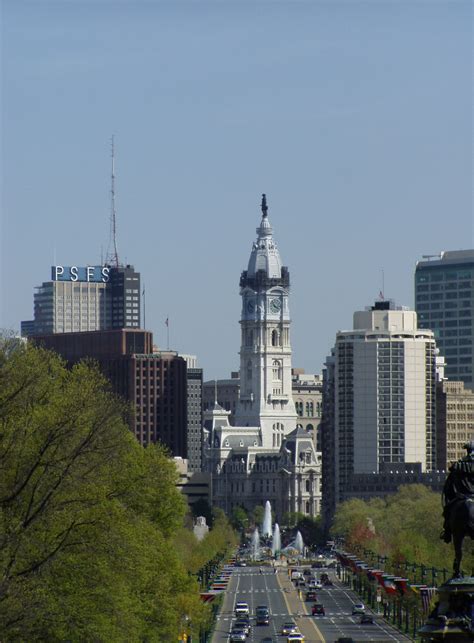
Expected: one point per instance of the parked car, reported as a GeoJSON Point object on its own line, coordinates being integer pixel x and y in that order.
{"type": "Point", "coordinates": [241, 608]}
{"type": "Point", "coordinates": [289, 628]}
{"type": "Point", "coordinates": [358, 608]}
{"type": "Point", "coordinates": [318, 610]}
{"type": "Point", "coordinates": [366, 619]}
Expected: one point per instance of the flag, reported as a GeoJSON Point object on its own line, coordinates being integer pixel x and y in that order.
{"type": "Point", "coordinates": [427, 594]}
{"type": "Point", "coordinates": [381, 295]}
{"type": "Point", "coordinates": [167, 321]}
{"type": "Point", "coordinates": [389, 585]}
{"type": "Point", "coordinates": [401, 584]}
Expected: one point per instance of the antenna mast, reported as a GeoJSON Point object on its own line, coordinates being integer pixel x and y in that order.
{"type": "Point", "coordinates": [112, 253]}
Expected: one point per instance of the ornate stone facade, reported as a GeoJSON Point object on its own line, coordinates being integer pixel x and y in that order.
{"type": "Point", "coordinates": [264, 456]}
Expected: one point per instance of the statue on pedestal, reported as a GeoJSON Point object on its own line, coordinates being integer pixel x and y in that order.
{"type": "Point", "coordinates": [458, 501]}
{"type": "Point", "coordinates": [453, 617]}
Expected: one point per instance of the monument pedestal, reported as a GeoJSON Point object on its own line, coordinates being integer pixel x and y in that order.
{"type": "Point", "coordinates": [453, 617]}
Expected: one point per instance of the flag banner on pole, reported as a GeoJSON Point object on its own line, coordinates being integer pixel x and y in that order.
{"type": "Point", "coordinates": [427, 594]}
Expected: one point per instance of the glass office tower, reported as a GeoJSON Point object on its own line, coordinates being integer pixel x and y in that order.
{"type": "Point", "coordinates": [444, 301]}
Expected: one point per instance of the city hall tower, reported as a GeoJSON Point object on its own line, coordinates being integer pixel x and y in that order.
{"type": "Point", "coordinates": [265, 353]}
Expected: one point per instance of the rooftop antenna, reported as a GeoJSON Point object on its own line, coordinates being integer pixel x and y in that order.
{"type": "Point", "coordinates": [112, 253]}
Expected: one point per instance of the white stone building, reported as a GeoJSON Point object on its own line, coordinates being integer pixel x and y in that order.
{"type": "Point", "coordinates": [263, 456]}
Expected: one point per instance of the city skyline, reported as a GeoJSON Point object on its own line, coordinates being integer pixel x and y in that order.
{"type": "Point", "coordinates": [361, 177]}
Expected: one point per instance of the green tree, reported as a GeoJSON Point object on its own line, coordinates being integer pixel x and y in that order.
{"type": "Point", "coordinates": [239, 519]}
{"type": "Point", "coordinates": [88, 518]}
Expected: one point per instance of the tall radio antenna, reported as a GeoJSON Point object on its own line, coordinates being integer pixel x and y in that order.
{"type": "Point", "coordinates": [112, 253]}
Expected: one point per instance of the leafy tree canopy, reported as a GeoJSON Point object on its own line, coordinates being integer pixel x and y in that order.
{"type": "Point", "coordinates": [88, 518]}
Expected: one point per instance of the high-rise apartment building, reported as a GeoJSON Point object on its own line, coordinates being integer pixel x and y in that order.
{"type": "Point", "coordinates": [444, 301]}
{"type": "Point", "coordinates": [382, 376]}
{"type": "Point", "coordinates": [86, 298]}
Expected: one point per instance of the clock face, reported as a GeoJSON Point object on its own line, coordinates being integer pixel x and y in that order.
{"type": "Point", "coordinates": [250, 306]}
{"type": "Point", "coordinates": [275, 305]}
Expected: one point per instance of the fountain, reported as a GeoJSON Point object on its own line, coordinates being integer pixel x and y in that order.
{"type": "Point", "coordinates": [299, 544]}
{"type": "Point", "coordinates": [267, 521]}
{"type": "Point", "coordinates": [276, 540]}
{"type": "Point", "coordinates": [255, 545]}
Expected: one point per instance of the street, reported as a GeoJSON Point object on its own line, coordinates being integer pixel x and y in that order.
{"type": "Point", "coordinates": [278, 593]}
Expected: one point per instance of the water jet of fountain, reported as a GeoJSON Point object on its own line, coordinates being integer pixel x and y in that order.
{"type": "Point", "coordinates": [255, 544]}
{"type": "Point", "coordinates": [276, 540]}
{"type": "Point", "coordinates": [267, 521]}
{"type": "Point", "coordinates": [299, 544]}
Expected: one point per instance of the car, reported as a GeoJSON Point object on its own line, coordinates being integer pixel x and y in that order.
{"type": "Point", "coordinates": [289, 628]}
{"type": "Point", "coordinates": [328, 582]}
{"type": "Point", "coordinates": [324, 577]}
{"type": "Point", "coordinates": [292, 638]}
{"type": "Point", "coordinates": [318, 610]}
{"type": "Point", "coordinates": [262, 614]}
{"type": "Point", "coordinates": [241, 608]}
{"type": "Point", "coordinates": [306, 572]}
{"type": "Point", "coordinates": [311, 595]}
{"type": "Point", "coordinates": [243, 624]}
{"type": "Point", "coordinates": [318, 584]}
{"type": "Point", "coordinates": [236, 636]}
{"type": "Point", "coordinates": [366, 619]}
{"type": "Point", "coordinates": [345, 639]}
{"type": "Point", "coordinates": [358, 608]}
{"type": "Point", "coordinates": [267, 639]}
{"type": "Point", "coordinates": [317, 565]}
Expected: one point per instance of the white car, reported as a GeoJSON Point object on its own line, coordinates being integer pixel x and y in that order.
{"type": "Point", "coordinates": [292, 638]}
{"type": "Point", "coordinates": [241, 609]}
{"type": "Point", "coordinates": [358, 608]}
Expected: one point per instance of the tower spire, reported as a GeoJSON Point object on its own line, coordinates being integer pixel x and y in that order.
{"type": "Point", "coordinates": [112, 253]}
{"type": "Point", "coordinates": [264, 205]}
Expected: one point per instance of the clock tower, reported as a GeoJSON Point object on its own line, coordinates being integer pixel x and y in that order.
{"type": "Point", "coordinates": [265, 354]}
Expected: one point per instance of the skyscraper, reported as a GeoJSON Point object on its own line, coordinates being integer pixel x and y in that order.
{"type": "Point", "coordinates": [444, 301]}
{"type": "Point", "coordinates": [85, 299]}
{"type": "Point", "coordinates": [382, 376]}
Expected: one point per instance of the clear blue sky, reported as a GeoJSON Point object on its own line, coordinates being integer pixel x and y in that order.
{"type": "Point", "coordinates": [354, 117]}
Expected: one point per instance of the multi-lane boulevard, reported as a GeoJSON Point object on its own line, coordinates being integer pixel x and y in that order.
{"type": "Point", "coordinates": [284, 602]}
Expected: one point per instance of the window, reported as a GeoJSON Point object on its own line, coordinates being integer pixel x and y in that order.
{"type": "Point", "coordinates": [277, 370]}
{"type": "Point", "coordinates": [309, 409]}
{"type": "Point", "coordinates": [249, 370]}
{"type": "Point", "coordinates": [275, 338]}
{"type": "Point", "coordinates": [299, 408]}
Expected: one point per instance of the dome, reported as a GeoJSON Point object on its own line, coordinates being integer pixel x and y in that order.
{"type": "Point", "coordinates": [265, 255]}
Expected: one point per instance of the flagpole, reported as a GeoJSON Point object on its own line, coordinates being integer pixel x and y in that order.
{"type": "Point", "coordinates": [144, 308]}
{"type": "Point", "coordinates": [168, 331]}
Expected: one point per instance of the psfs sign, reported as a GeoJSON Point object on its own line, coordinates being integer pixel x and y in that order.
{"type": "Point", "coordinates": [96, 274]}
